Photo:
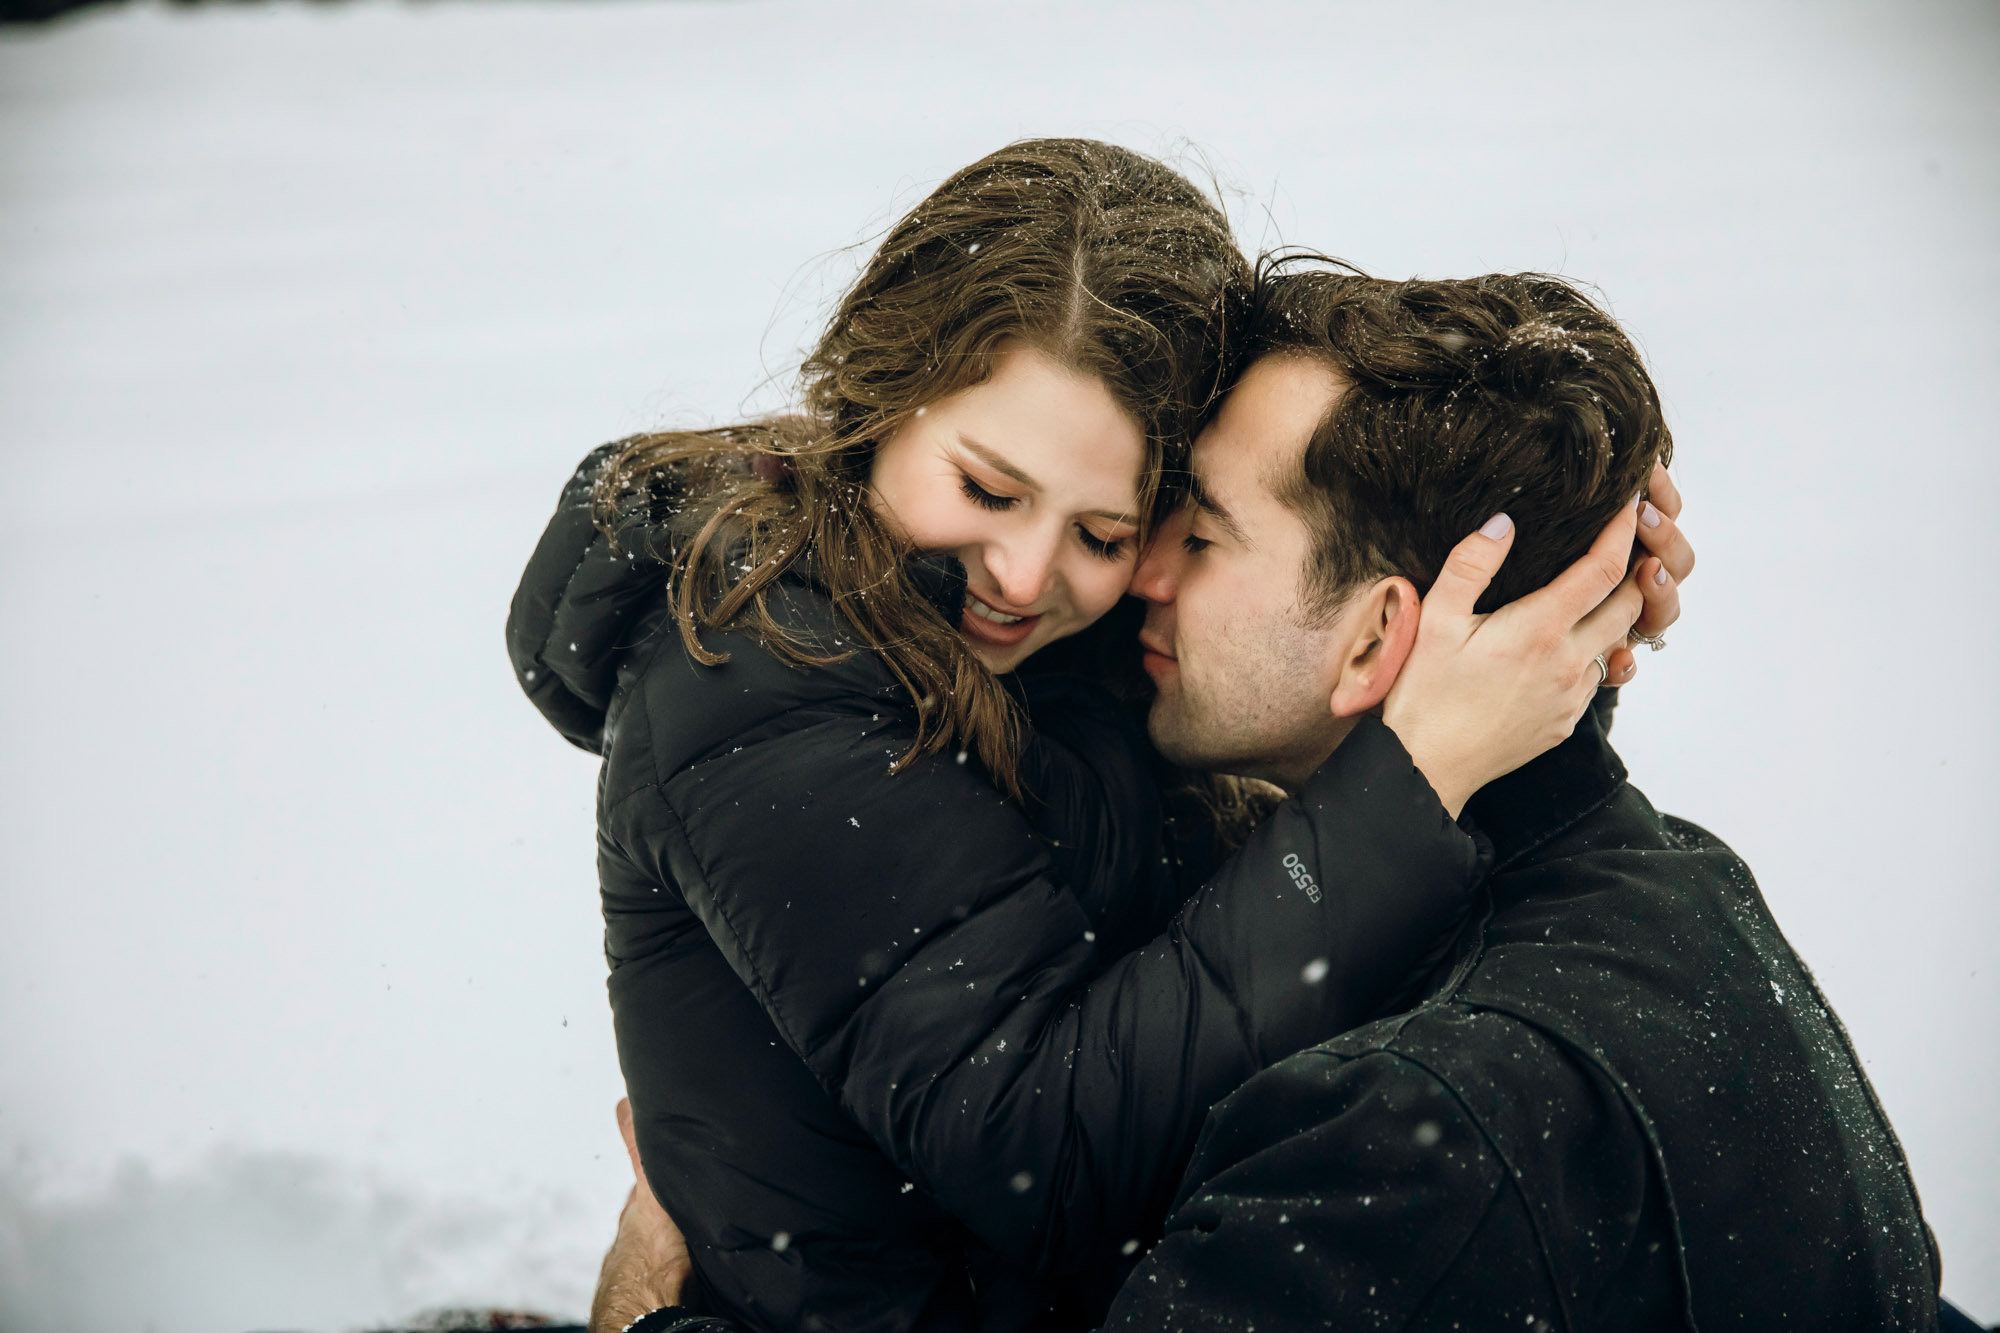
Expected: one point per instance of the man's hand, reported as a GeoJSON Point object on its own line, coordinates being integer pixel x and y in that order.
{"type": "Point", "coordinates": [647, 1265]}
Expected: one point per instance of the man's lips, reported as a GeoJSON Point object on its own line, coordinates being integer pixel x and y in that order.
{"type": "Point", "coordinates": [1153, 657]}
{"type": "Point", "coordinates": [981, 630]}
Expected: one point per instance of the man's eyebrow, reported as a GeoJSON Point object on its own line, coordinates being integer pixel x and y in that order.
{"type": "Point", "coordinates": [1007, 469]}
{"type": "Point", "coordinates": [1209, 505]}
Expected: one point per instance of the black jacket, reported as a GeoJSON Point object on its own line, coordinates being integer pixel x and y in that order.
{"type": "Point", "coordinates": [1625, 1106]}
{"type": "Point", "coordinates": [852, 1110]}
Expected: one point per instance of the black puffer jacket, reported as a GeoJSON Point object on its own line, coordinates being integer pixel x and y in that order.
{"type": "Point", "coordinates": [851, 1119]}
{"type": "Point", "coordinates": [1623, 1107]}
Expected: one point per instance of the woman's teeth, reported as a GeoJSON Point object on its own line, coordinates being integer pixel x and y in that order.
{"type": "Point", "coordinates": [985, 612]}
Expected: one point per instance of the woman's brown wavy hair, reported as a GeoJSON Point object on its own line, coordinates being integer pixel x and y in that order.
{"type": "Point", "coordinates": [1105, 260]}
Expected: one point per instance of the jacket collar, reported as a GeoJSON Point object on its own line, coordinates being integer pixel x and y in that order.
{"type": "Point", "coordinates": [1528, 807]}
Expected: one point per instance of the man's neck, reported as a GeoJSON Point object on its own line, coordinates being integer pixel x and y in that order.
{"type": "Point", "coordinates": [1292, 771]}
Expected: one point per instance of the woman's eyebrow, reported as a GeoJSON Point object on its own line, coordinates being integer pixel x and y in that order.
{"type": "Point", "coordinates": [1007, 469]}
{"type": "Point", "coordinates": [997, 463]}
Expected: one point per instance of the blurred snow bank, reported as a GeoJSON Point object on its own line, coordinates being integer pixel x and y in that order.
{"type": "Point", "coordinates": [249, 1241]}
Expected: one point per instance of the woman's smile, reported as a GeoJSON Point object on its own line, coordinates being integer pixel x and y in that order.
{"type": "Point", "coordinates": [982, 622]}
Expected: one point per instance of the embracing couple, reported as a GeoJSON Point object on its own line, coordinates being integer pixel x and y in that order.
{"type": "Point", "coordinates": [1107, 820]}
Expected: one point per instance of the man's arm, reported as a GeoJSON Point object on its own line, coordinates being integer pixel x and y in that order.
{"type": "Point", "coordinates": [1350, 1192]}
{"type": "Point", "coordinates": [647, 1266]}
{"type": "Point", "coordinates": [1339, 1192]}
{"type": "Point", "coordinates": [1361, 1190]}
{"type": "Point", "coordinates": [645, 1270]}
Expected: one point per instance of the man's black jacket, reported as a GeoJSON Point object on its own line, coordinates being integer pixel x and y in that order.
{"type": "Point", "coordinates": [843, 1101]}
{"type": "Point", "coordinates": [1625, 1106]}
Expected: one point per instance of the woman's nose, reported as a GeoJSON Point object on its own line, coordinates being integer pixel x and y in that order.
{"type": "Point", "coordinates": [1022, 569]}
{"type": "Point", "coordinates": [1154, 577]}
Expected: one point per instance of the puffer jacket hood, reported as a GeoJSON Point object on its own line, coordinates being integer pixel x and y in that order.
{"type": "Point", "coordinates": [577, 610]}
{"type": "Point", "coordinates": [584, 600]}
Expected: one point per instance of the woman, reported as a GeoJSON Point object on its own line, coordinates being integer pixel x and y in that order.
{"type": "Point", "coordinates": [852, 1127]}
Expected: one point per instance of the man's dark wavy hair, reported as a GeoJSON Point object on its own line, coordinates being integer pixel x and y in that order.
{"type": "Point", "coordinates": [1465, 398]}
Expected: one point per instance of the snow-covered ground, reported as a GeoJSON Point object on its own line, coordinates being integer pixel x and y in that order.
{"type": "Point", "coordinates": [305, 312]}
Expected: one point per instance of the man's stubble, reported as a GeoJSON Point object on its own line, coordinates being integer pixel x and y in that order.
{"type": "Point", "coordinates": [1250, 703]}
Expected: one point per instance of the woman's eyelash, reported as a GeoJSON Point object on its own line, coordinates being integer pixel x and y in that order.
{"type": "Point", "coordinates": [982, 497]}
{"type": "Point", "coordinates": [1194, 545]}
{"type": "Point", "coordinates": [985, 499]}
{"type": "Point", "coordinates": [1099, 547]}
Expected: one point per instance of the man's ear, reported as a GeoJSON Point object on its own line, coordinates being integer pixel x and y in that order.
{"type": "Point", "coordinates": [1383, 619]}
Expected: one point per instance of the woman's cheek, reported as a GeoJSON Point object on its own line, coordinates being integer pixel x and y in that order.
{"type": "Point", "coordinates": [1104, 586]}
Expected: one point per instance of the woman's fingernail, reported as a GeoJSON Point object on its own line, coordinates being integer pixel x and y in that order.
{"type": "Point", "coordinates": [1649, 515]}
{"type": "Point", "coordinates": [1660, 576]}
{"type": "Point", "coordinates": [1497, 527]}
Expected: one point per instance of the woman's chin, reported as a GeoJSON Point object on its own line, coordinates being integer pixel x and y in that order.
{"type": "Point", "coordinates": [1001, 659]}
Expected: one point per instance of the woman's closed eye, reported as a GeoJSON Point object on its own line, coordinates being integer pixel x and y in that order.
{"type": "Point", "coordinates": [1194, 545]}
{"type": "Point", "coordinates": [984, 498]}
{"type": "Point", "coordinates": [1104, 548]}
{"type": "Point", "coordinates": [1100, 547]}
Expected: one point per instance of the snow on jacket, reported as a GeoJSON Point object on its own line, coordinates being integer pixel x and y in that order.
{"type": "Point", "coordinates": [849, 1113]}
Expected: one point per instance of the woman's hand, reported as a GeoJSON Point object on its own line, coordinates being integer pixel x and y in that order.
{"type": "Point", "coordinates": [1660, 574]}
{"type": "Point", "coordinates": [1480, 695]}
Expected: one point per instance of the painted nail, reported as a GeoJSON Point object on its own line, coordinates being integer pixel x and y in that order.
{"type": "Point", "coordinates": [1497, 527]}
{"type": "Point", "coordinates": [1660, 576]}
{"type": "Point", "coordinates": [1649, 515]}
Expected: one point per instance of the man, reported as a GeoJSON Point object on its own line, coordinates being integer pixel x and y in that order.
{"type": "Point", "coordinates": [1624, 1104]}
{"type": "Point", "coordinates": [1620, 1102]}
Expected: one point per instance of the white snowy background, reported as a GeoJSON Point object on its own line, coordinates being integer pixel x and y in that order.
{"type": "Point", "coordinates": [305, 313]}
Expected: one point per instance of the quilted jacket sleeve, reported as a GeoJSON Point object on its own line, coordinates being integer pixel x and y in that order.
{"type": "Point", "coordinates": [1093, 794]}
